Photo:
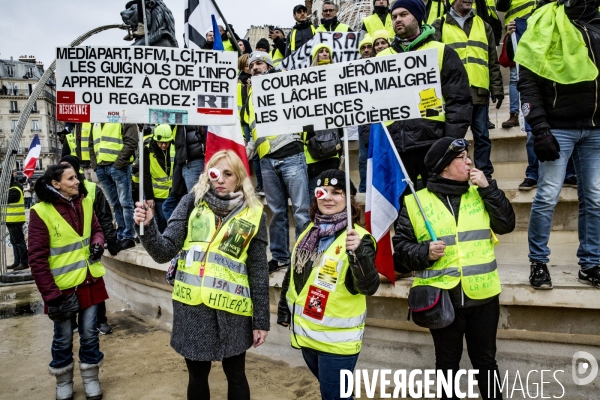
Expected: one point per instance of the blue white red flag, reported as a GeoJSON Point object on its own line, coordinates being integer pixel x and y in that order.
{"type": "Point", "coordinates": [32, 156]}
{"type": "Point", "coordinates": [385, 185]}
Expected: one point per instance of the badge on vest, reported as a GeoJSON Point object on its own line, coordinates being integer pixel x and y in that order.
{"type": "Point", "coordinates": [328, 274]}
{"type": "Point", "coordinates": [316, 301]}
{"type": "Point", "coordinates": [237, 237]}
{"type": "Point", "coordinates": [200, 227]}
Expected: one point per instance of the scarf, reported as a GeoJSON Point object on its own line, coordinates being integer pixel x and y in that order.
{"type": "Point", "coordinates": [446, 187]}
{"type": "Point", "coordinates": [322, 234]}
{"type": "Point", "coordinates": [324, 62]}
{"type": "Point", "coordinates": [553, 48]}
{"type": "Point", "coordinates": [222, 205]}
{"type": "Point", "coordinates": [329, 22]}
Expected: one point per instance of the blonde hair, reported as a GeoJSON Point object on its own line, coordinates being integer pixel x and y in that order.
{"type": "Point", "coordinates": [239, 170]}
{"type": "Point", "coordinates": [315, 54]}
{"type": "Point", "coordinates": [243, 61]}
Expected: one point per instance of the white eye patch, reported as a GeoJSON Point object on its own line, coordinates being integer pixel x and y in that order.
{"type": "Point", "coordinates": [321, 194]}
{"type": "Point", "coordinates": [214, 174]}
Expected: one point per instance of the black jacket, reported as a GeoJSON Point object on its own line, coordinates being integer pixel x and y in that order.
{"type": "Point", "coordinates": [304, 32]}
{"type": "Point", "coordinates": [279, 44]}
{"type": "Point", "coordinates": [362, 279]}
{"type": "Point", "coordinates": [409, 255]}
{"type": "Point", "coordinates": [190, 145]}
{"type": "Point", "coordinates": [420, 132]}
{"type": "Point", "coordinates": [481, 96]}
{"type": "Point", "coordinates": [332, 25]}
{"type": "Point", "coordinates": [550, 105]}
{"type": "Point", "coordinates": [164, 161]}
{"type": "Point", "coordinates": [105, 218]}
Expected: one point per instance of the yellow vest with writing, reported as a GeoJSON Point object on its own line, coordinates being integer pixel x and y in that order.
{"type": "Point", "coordinates": [71, 139]}
{"type": "Point", "coordinates": [472, 50]}
{"type": "Point", "coordinates": [108, 141]}
{"type": "Point", "coordinates": [69, 253]}
{"type": "Point", "coordinates": [469, 254]}
{"type": "Point", "coordinates": [161, 182]}
{"type": "Point", "coordinates": [212, 267]}
{"type": "Point", "coordinates": [373, 24]}
{"type": "Point", "coordinates": [325, 315]}
{"type": "Point", "coordinates": [15, 212]}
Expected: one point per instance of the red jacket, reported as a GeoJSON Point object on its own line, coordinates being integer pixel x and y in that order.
{"type": "Point", "coordinates": [92, 290]}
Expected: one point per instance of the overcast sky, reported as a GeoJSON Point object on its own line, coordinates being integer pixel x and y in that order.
{"type": "Point", "coordinates": [37, 27]}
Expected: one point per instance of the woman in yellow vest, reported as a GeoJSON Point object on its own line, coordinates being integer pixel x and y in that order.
{"type": "Point", "coordinates": [221, 284]}
{"type": "Point", "coordinates": [65, 246]}
{"type": "Point", "coordinates": [381, 41]}
{"type": "Point", "coordinates": [465, 219]}
{"type": "Point", "coordinates": [323, 296]}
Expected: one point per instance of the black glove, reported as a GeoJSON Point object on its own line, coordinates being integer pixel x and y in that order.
{"type": "Point", "coordinates": [497, 99]}
{"type": "Point", "coordinates": [545, 146]}
{"type": "Point", "coordinates": [96, 251]}
{"type": "Point", "coordinates": [63, 311]}
{"type": "Point", "coordinates": [114, 247]}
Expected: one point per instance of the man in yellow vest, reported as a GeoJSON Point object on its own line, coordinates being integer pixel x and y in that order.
{"type": "Point", "coordinates": [381, 19]}
{"type": "Point", "coordinates": [472, 38]}
{"type": "Point", "coordinates": [435, 9]}
{"type": "Point", "coordinates": [466, 211]}
{"type": "Point", "coordinates": [284, 173]}
{"type": "Point", "coordinates": [77, 144]}
{"type": "Point", "coordinates": [159, 160]}
{"type": "Point", "coordinates": [227, 41]}
{"type": "Point", "coordinates": [15, 219]}
{"type": "Point", "coordinates": [301, 33]}
{"type": "Point", "coordinates": [413, 137]}
{"type": "Point", "coordinates": [329, 20]}
{"type": "Point", "coordinates": [114, 148]}
{"type": "Point", "coordinates": [279, 44]}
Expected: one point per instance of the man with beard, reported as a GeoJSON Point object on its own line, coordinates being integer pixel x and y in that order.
{"type": "Point", "coordinates": [381, 19]}
{"type": "Point", "coordinates": [302, 32]}
{"type": "Point", "coordinates": [329, 21]}
{"type": "Point", "coordinates": [559, 99]}
{"type": "Point", "coordinates": [284, 173]}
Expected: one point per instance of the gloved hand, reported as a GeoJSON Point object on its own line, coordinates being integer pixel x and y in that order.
{"type": "Point", "coordinates": [96, 251]}
{"type": "Point", "coordinates": [497, 99]}
{"type": "Point", "coordinates": [63, 308]}
{"type": "Point", "coordinates": [545, 146]}
{"type": "Point", "coordinates": [114, 247]}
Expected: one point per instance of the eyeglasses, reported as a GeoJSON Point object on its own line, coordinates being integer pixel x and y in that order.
{"type": "Point", "coordinates": [330, 10]}
{"type": "Point", "coordinates": [464, 158]}
{"type": "Point", "coordinates": [457, 146]}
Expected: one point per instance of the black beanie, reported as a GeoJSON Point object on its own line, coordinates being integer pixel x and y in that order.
{"type": "Point", "coordinates": [437, 152]}
{"type": "Point", "coordinates": [73, 161]}
{"type": "Point", "coordinates": [263, 44]}
{"type": "Point", "coordinates": [415, 7]}
{"type": "Point", "coordinates": [337, 178]}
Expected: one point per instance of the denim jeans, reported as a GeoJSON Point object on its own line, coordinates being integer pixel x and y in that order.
{"type": "Point", "coordinates": [17, 241]}
{"type": "Point", "coordinates": [255, 160]}
{"type": "Point", "coordinates": [191, 172]}
{"type": "Point", "coordinates": [89, 345]}
{"type": "Point", "coordinates": [159, 216]}
{"type": "Point", "coordinates": [532, 162]}
{"type": "Point", "coordinates": [584, 146]}
{"type": "Point", "coordinates": [513, 93]}
{"type": "Point", "coordinates": [363, 154]}
{"type": "Point", "coordinates": [326, 367]}
{"type": "Point", "coordinates": [282, 179]}
{"type": "Point", "coordinates": [116, 184]}
{"type": "Point", "coordinates": [481, 137]}
{"type": "Point", "coordinates": [169, 205]}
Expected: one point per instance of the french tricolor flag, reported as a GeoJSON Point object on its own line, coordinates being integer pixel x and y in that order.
{"type": "Point", "coordinates": [225, 137]}
{"type": "Point", "coordinates": [32, 156]}
{"type": "Point", "coordinates": [385, 185]}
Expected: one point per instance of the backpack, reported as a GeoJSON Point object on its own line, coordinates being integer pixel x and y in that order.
{"type": "Point", "coordinates": [323, 144]}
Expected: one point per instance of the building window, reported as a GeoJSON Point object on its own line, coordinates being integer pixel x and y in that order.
{"type": "Point", "coordinates": [13, 106]}
{"type": "Point", "coordinates": [29, 72]}
{"type": "Point", "coordinates": [38, 165]}
{"type": "Point", "coordinates": [35, 109]}
{"type": "Point", "coordinates": [35, 125]}
{"type": "Point", "coordinates": [19, 165]}
{"type": "Point", "coordinates": [10, 70]}
{"type": "Point", "coordinates": [13, 125]}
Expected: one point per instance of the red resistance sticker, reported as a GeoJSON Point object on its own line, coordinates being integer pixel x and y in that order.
{"type": "Point", "coordinates": [73, 112]}
{"type": "Point", "coordinates": [316, 301]}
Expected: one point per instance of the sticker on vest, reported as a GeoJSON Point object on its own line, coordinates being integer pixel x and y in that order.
{"type": "Point", "coordinates": [328, 274]}
{"type": "Point", "coordinates": [200, 227]}
{"type": "Point", "coordinates": [237, 237]}
{"type": "Point", "coordinates": [316, 301]}
{"type": "Point", "coordinates": [196, 253]}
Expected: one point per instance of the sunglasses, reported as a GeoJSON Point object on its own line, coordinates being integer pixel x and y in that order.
{"type": "Point", "coordinates": [328, 11]}
{"type": "Point", "coordinates": [457, 146]}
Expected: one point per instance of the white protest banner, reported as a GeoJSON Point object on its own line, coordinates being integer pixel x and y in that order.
{"type": "Point", "coordinates": [344, 46]}
{"type": "Point", "coordinates": [395, 87]}
{"type": "Point", "coordinates": [149, 85]}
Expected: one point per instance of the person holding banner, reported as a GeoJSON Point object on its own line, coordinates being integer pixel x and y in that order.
{"type": "Point", "coordinates": [414, 137]}
{"type": "Point", "coordinates": [301, 33]}
{"type": "Point", "coordinates": [329, 22]}
{"type": "Point", "coordinates": [381, 19]}
{"type": "Point", "coordinates": [323, 294]}
{"type": "Point", "coordinates": [380, 41]}
{"type": "Point", "coordinates": [221, 286]}
{"type": "Point", "coordinates": [460, 265]}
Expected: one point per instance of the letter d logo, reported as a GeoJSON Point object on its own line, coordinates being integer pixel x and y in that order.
{"type": "Point", "coordinates": [583, 367]}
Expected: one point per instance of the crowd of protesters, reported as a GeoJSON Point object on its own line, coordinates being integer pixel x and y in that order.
{"type": "Point", "coordinates": [206, 216]}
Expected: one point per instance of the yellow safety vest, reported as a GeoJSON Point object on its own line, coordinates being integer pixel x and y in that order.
{"type": "Point", "coordinates": [472, 50]}
{"type": "Point", "coordinates": [69, 253]}
{"type": "Point", "coordinates": [71, 139]}
{"type": "Point", "coordinates": [161, 182]}
{"type": "Point", "coordinates": [86, 127]}
{"type": "Point", "coordinates": [263, 147]}
{"type": "Point", "coordinates": [293, 37]}
{"type": "Point", "coordinates": [436, 11]}
{"type": "Point", "coordinates": [212, 267]}
{"type": "Point", "coordinates": [491, 8]}
{"type": "Point", "coordinates": [373, 24]}
{"type": "Point", "coordinates": [15, 212]}
{"type": "Point", "coordinates": [276, 56]}
{"type": "Point", "coordinates": [340, 28]}
{"type": "Point", "coordinates": [469, 255]}
{"type": "Point", "coordinates": [432, 44]}
{"type": "Point", "coordinates": [326, 316]}
{"type": "Point", "coordinates": [91, 188]}
{"type": "Point", "coordinates": [135, 177]}
{"type": "Point", "coordinates": [227, 46]}
{"type": "Point", "coordinates": [108, 141]}
{"type": "Point", "coordinates": [519, 9]}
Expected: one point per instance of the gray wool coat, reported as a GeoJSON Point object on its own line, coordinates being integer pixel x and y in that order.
{"type": "Point", "coordinates": [201, 333]}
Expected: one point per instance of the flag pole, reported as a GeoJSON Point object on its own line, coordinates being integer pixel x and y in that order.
{"type": "Point", "coordinates": [141, 135]}
{"type": "Point", "coordinates": [412, 189]}
{"type": "Point", "coordinates": [347, 174]}
{"type": "Point", "coordinates": [231, 35]}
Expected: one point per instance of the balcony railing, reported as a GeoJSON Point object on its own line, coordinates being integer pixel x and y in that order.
{"type": "Point", "coordinates": [48, 95]}
{"type": "Point", "coordinates": [14, 111]}
{"type": "Point", "coordinates": [36, 130]}
{"type": "Point", "coordinates": [16, 92]}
